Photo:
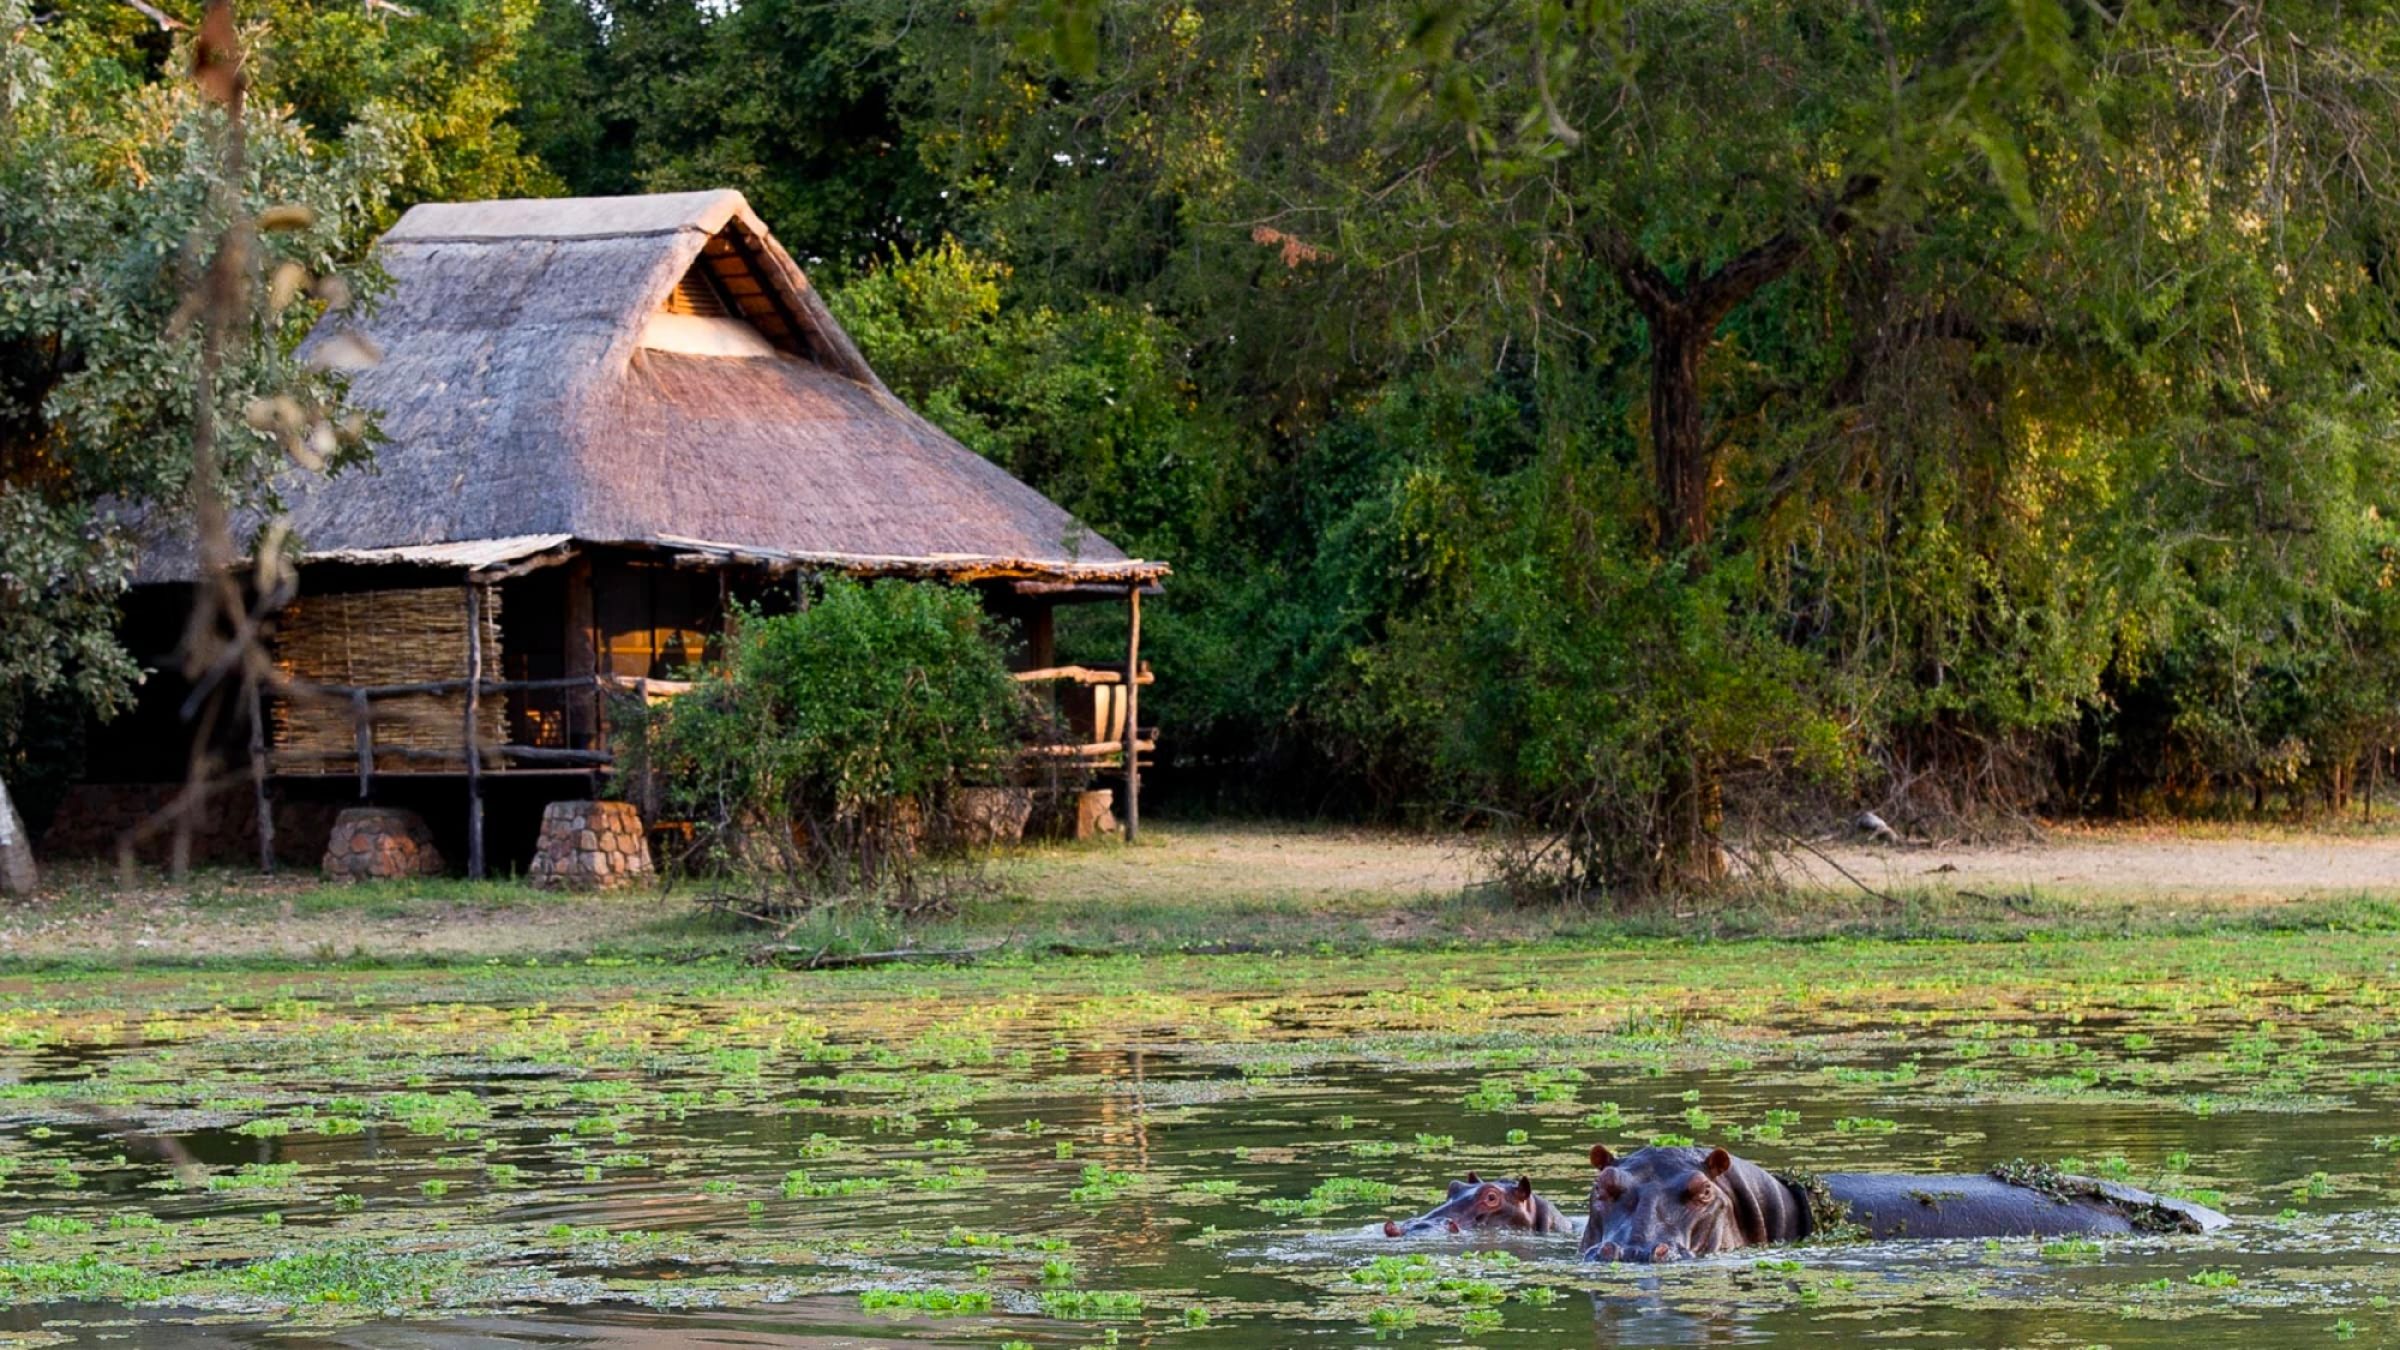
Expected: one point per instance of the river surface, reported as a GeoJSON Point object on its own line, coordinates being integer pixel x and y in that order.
{"type": "Point", "coordinates": [1191, 1152]}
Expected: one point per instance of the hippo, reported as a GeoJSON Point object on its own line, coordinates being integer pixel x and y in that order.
{"type": "Point", "coordinates": [1669, 1204]}
{"type": "Point", "coordinates": [1480, 1206]}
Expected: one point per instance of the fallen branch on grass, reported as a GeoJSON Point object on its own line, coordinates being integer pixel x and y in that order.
{"type": "Point", "coordinates": [825, 958]}
{"type": "Point", "coordinates": [1227, 948]}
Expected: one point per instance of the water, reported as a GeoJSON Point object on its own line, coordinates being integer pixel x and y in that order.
{"type": "Point", "coordinates": [1058, 1155]}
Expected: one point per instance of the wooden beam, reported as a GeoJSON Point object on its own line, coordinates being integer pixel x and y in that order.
{"type": "Point", "coordinates": [474, 752]}
{"type": "Point", "coordinates": [582, 655]}
{"type": "Point", "coordinates": [1133, 719]}
{"type": "Point", "coordinates": [565, 553]}
{"type": "Point", "coordinates": [1095, 750]}
{"type": "Point", "coordinates": [652, 691]}
{"type": "Point", "coordinates": [796, 334]}
{"type": "Point", "coordinates": [535, 754]}
{"type": "Point", "coordinates": [1080, 675]}
{"type": "Point", "coordinates": [530, 754]}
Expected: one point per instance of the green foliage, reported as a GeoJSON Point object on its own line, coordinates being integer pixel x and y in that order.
{"type": "Point", "coordinates": [1569, 679]}
{"type": "Point", "coordinates": [1091, 403]}
{"type": "Point", "coordinates": [434, 89]}
{"type": "Point", "coordinates": [831, 742]}
{"type": "Point", "coordinates": [2047, 430]}
{"type": "Point", "coordinates": [792, 102]}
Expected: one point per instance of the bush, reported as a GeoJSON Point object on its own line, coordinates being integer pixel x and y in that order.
{"type": "Point", "coordinates": [825, 754]}
{"type": "Point", "coordinates": [1578, 691]}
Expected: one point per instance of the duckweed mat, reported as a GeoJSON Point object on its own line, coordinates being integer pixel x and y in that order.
{"type": "Point", "coordinates": [1181, 1151]}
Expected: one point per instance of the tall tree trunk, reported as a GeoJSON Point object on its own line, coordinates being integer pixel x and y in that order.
{"type": "Point", "coordinates": [1691, 813]}
{"type": "Point", "coordinates": [1682, 320]}
{"type": "Point", "coordinates": [1679, 452]}
{"type": "Point", "coordinates": [16, 851]}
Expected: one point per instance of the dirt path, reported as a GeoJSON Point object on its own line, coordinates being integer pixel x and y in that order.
{"type": "Point", "coordinates": [1253, 862]}
{"type": "Point", "coordinates": [2129, 863]}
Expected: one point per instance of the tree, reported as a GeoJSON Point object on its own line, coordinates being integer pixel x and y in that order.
{"type": "Point", "coordinates": [1928, 319]}
{"type": "Point", "coordinates": [108, 214]}
{"type": "Point", "coordinates": [1089, 403]}
{"type": "Point", "coordinates": [792, 103]}
{"type": "Point", "coordinates": [431, 80]}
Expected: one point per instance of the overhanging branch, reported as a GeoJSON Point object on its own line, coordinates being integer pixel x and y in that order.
{"type": "Point", "coordinates": [1720, 291]}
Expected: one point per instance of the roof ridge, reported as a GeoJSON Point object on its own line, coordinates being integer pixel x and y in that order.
{"type": "Point", "coordinates": [687, 227]}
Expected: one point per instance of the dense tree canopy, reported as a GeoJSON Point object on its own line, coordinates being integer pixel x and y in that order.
{"type": "Point", "coordinates": [793, 102]}
{"type": "Point", "coordinates": [1932, 400]}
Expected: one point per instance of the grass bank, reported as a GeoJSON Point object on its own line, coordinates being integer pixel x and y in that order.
{"type": "Point", "coordinates": [1218, 889]}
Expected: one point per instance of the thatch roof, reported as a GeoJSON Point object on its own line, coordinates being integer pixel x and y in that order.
{"type": "Point", "coordinates": [520, 396]}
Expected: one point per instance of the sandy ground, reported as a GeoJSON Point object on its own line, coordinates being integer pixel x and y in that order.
{"type": "Point", "coordinates": [1237, 862]}
{"type": "Point", "coordinates": [1250, 862]}
{"type": "Point", "coordinates": [2129, 864]}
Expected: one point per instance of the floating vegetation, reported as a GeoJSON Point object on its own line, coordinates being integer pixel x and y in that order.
{"type": "Point", "coordinates": [1052, 1153]}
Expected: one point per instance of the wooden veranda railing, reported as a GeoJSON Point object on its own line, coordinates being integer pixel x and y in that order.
{"type": "Point", "coordinates": [1112, 709]}
{"type": "Point", "coordinates": [474, 747]}
{"type": "Point", "coordinates": [1115, 737]}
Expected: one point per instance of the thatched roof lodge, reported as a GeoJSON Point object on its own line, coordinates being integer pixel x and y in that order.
{"type": "Point", "coordinates": [604, 420]}
{"type": "Point", "coordinates": [657, 372]}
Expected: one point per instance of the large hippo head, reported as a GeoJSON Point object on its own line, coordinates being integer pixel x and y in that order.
{"type": "Point", "coordinates": [1672, 1204]}
{"type": "Point", "coordinates": [1475, 1204]}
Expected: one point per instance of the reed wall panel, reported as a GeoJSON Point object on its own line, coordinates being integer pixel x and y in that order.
{"type": "Point", "coordinates": [412, 636]}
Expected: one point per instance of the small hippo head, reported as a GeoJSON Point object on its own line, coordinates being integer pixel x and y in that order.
{"type": "Point", "coordinates": [1474, 1204]}
{"type": "Point", "coordinates": [1663, 1204]}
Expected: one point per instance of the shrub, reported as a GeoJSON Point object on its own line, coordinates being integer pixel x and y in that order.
{"type": "Point", "coordinates": [824, 755]}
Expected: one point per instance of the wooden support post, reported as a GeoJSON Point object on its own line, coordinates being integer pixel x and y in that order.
{"type": "Point", "coordinates": [364, 724]}
{"type": "Point", "coordinates": [1133, 712]}
{"type": "Point", "coordinates": [258, 780]}
{"type": "Point", "coordinates": [579, 708]}
{"type": "Point", "coordinates": [474, 751]}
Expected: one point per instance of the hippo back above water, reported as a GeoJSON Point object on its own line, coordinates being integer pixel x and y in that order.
{"type": "Point", "coordinates": [1993, 1205]}
{"type": "Point", "coordinates": [1664, 1204]}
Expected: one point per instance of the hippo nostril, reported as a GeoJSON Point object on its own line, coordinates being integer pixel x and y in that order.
{"type": "Point", "coordinates": [1662, 1252]}
{"type": "Point", "coordinates": [1390, 1229]}
{"type": "Point", "coordinates": [1454, 1226]}
{"type": "Point", "coordinates": [1610, 1251]}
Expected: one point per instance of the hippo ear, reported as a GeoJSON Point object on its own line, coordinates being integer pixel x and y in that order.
{"type": "Point", "coordinates": [1524, 1189]}
{"type": "Point", "coordinates": [1601, 1157]}
{"type": "Point", "coordinates": [1719, 1162]}
{"type": "Point", "coordinates": [1474, 1180]}
{"type": "Point", "coordinates": [1457, 1186]}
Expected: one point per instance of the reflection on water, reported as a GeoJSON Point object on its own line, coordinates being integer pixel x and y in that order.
{"type": "Point", "coordinates": [934, 1160]}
